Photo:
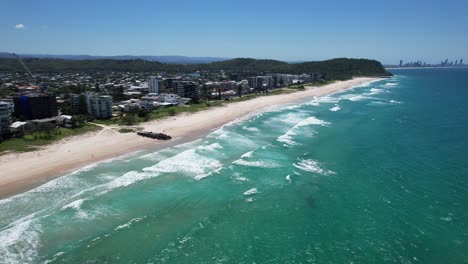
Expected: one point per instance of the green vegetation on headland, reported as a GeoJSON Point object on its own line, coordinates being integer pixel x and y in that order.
{"type": "Point", "coordinates": [31, 142]}
{"type": "Point", "coordinates": [335, 69]}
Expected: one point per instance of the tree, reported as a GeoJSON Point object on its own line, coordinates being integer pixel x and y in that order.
{"type": "Point", "coordinates": [130, 119]}
{"type": "Point", "coordinates": [239, 90]}
{"type": "Point", "coordinates": [97, 88]}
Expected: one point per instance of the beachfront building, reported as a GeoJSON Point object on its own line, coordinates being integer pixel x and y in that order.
{"type": "Point", "coordinates": [186, 89]}
{"type": "Point", "coordinates": [170, 98]}
{"type": "Point", "coordinates": [260, 83]}
{"type": "Point", "coordinates": [155, 85]}
{"type": "Point", "coordinates": [11, 104]}
{"type": "Point", "coordinates": [75, 103]}
{"type": "Point", "coordinates": [99, 107]}
{"type": "Point", "coordinates": [35, 106]}
{"type": "Point", "coordinates": [5, 118]}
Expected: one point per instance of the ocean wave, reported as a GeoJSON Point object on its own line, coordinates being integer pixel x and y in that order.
{"type": "Point", "coordinates": [130, 178]}
{"type": "Point", "coordinates": [251, 192]}
{"type": "Point", "coordinates": [391, 84]}
{"type": "Point", "coordinates": [76, 206]}
{"type": "Point", "coordinates": [378, 103]}
{"type": "Point", "coordinates": [251, 129]}
{"type": "Point", "coordinates": [202, 176]}
{"type": "Point", "coordinates": [211, 147]}
{"type": "Point", "coordinates": [287, 137]}
{"type": "Point", "coordinates": [311, 165]}
{"type": "Point", "coordinates": [188, 162]}
{"type": "Point", "coordinates": [258, 163]}
{"type": "Point", "coordinates": [129, 223]}
{"type": "Point", "coordinates": [375, 91]}
{"type": "Point", "coordinates": [335, 108]}
{"type": "Point", "coordinates": [237, 176]}
{"type": "Point", "coordinates": [19, 242]}
{"type": "Point", "coordinates": [395, 102]}
{"type": "Point", "coordinates": [247, 154]}
{"type": "Point", "coordinates": [317, 100]}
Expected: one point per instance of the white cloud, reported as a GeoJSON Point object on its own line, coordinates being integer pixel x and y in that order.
{"type": "Point", "coordinates": [19, 26]}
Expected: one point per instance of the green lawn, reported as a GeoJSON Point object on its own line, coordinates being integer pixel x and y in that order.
{"type": "Point", "coordinates": [28, 143]}
{"type": "Point", "coordinates": [126, 130]}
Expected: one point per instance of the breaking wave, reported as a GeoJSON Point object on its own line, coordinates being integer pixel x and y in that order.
{"type": "Point", "coordinates": [311, 165]}
{"type": "Point", "coordinates": [335, 108]}
{"type": "Point", "coordinates": [287, 137]}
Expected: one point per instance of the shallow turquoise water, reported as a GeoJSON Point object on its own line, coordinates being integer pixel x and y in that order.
{"type": "Point", "coordinates": [376, 174]}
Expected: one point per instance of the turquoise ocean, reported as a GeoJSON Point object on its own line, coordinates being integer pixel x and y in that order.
{"type": "Point", "coordinates": [375, 174]}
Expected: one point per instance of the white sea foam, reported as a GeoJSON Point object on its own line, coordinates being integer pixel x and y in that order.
{"type": "Point", "coordinates": [211, 147]}
{"type": "Point", "coordinates": [258, 163]}
{"type": "Point", "coordinates": [375, 91]}
{"type": "Point", "coordinates": [75, 205]}
{"type": "Point", "coordinates": [130, 178]}
{"type": "Point", "coordinates": [391, 84]}
{"type": "Point", "coordinates": [247, 154]}
{"type": "Point", "coordinates": [394, 102]}
{"type": "Point", "coordinates": [311, 165]}
{"type": "Point", "coordinates": [317, 100]}
{"type": "Point", "coordinates": [237, 176]}
{"type": "Point", "coordinates": [357, 98]}
{"type": "Point", "coordinates": [378, 103]}
{"type": "Point", "coordinates": [249, 200]}
{"type": "Point", "coordinates": [251, 129]}
{"type": "Point", "coordinates": [188, 162]}
{"type": "Point", "coordinates": [288, 178]}
{"type": "Point", "coordinates": [128, 224]}
{"type": "Point", "coordinates": [19, 242]}
{"type": "Point", "coordinates": [287, 137]}
{"type": "Point", "coordinates": [202, 176]}
{"type": "Point", "coordinates": [251, 191]}
{"type": "Point", "coordinates": [335, 108]}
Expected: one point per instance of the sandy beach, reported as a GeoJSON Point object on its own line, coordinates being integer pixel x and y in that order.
{"type": "Point", "coordinates": [23, 171]}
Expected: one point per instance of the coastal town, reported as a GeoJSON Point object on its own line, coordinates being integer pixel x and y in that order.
{"type": "Point", "coordinates": [37, 104]}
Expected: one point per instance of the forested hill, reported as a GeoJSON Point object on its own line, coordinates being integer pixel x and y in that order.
{"type": "Point", "coordinates": [336, 69]}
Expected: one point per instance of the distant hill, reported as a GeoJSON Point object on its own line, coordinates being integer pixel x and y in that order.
{"type": "Point", "coordinates": [336, 69]}
{"type": "Point", "coordinates": [164, 59]}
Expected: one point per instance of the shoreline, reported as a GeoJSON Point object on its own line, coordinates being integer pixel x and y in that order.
{"type": "Point", "coordinates": [20, 172]}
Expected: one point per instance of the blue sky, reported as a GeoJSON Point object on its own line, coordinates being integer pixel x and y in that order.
{"type": "Point", "coordinates": [288, 30]}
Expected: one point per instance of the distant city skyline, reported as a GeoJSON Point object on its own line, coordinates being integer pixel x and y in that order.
{"type": "Point", "coordinates": [297, 31]}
